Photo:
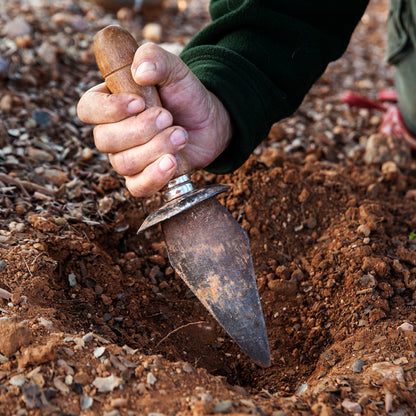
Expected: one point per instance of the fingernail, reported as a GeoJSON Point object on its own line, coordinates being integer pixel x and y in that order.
{"type": "Point", "coordinates": [166, 164]}
{"type": "Point", "coordinates": [178, 137]}
{"type": "Point", "coordinates": [145, 67]}
{"type": "Point", "coordinates": [163, 120]}
{"type": "Point", "coordinates": [134, 107]}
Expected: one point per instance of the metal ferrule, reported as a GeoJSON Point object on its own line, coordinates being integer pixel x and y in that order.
{"type": "Point", "coordinates": [178, 187]}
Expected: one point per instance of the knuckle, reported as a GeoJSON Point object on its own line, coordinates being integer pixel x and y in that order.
{"type": "Point", "coordinates": [124, 164]}
{"type": "Point", "coordinates": [136, 188]}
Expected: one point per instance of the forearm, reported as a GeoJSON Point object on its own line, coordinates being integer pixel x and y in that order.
{"type": "Point", "coordinates": [261, 57]}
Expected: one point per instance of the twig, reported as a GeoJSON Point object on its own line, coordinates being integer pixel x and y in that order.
{"type": "Point", "coordinates": [178, 329]}
{"type": "Point", "coordinates": [27, 267]}
{"type": "Point", "coordinates": [26, 184]}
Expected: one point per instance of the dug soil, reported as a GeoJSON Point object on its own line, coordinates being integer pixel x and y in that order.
{"type": "Point", "coordinates": [94, 320]}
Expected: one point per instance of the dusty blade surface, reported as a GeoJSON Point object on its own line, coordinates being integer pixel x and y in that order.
{"type": "Point", "coordinates": [211, 253]}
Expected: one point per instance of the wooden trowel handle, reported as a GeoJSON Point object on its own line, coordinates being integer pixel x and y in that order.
{"type": "Point", "coordinates": [114, 50]}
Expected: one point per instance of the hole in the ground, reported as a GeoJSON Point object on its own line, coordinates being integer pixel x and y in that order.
{"type": "Point", "coordinates": [139, 301]}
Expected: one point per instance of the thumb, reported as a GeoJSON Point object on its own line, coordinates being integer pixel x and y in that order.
{"type": "Point", "coordinates": [153, 65]}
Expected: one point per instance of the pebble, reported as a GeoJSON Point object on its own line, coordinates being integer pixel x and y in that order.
{"type": "Point", "coordinates": [5, 294]}
{"type": "Point", "coordinates": [55, 176]}
{"type": "Point", "coordinates": [67, 368]}
{"type": "Point", "coordinates": [357, 366]}
{"type": "Point", "coordinates": [107, 384]}
{"type": "Point", "coordinates": [4, 69]}
{"type": "Point", "coordinates": [364, 230]}
{"type": "Point", "coordinates": [188, 368]}
{"type": "Point", "coordinates": [141, 388]}
{"type": "Point", "coordinates": [114, 412]}
{"type": "Point", "coordinates": [16, 227]}
{"type": "Point", "coordinates": [405, 327]}
{"type": "Point", "coordinates": [60, 385]}
{"type": "Point", "coordinates": [223, 407]}
{"type": "Point", "coordinates": [88, 337]}
{"type": "Point", "coordinates": [44, 322]}
{"type": "Point", "coordinates": [98, 352]}
{"type": "Point", "coordinates": [13, 336]}
{"type": "Point", "coordinates": [72, 279]}
{"type": "Point", "coordinates": [16, 28]}
{"type": "Point", "coordinates": [85, 402]}
{"type": "Point", "coordinates": [6, 101]}
{"type": "Point", "coordinates": [119, 402]}
{"type": "Point", "coordinates": [302, 388]}
{"type": "Point", "coordinates": [18, 380]}
{"type": "Point", "coordinates": [380, 149]}
{"type": "Point", "coordinates": [351, 406]}
{"type": "Point", "coordinates": [389, 371]}
{"type": "Point", "coordinates": [152, 32]}
{"type": "Point", "coordinates": [388, 402]}
{"type": "Point", "coordinates": [38, 154]}
{"type": "Point", "coordinates": [42, 118]}
{"type": "Point", "coordinates": [151, 379]}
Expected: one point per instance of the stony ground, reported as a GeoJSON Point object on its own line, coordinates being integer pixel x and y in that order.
{"type": "Point", "coordinates": [94, 320]}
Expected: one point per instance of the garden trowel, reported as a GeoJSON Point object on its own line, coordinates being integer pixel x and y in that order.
{"type": "Point", "coordinates": [206, 245]}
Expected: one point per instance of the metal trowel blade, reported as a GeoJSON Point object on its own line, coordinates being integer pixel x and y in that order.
{"type": "Point", "coordinates": [210, 252]}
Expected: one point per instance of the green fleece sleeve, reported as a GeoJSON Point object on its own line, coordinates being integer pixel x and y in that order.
{"type": "Point", "coordinates": [260, 58]}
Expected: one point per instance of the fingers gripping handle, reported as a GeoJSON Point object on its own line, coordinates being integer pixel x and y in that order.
{"type": "Point", "coordinates": [114, 50]}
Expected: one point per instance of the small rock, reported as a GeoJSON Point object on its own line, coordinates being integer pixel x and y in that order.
{"type": "Point", "coordinates": [351, 406]}
{"type": "Point", "coordinates": [85, 402]}
{"type": "Point", "coordinates": [13, 336]}
{"type": "Point", "coordinates": [88, 337]}
{"type": "Point", "coordinates": [42, 118]}
{"type": "Point", "coordinates": [48, 55]}
{"type": "Point", "coordinates": [188, 368]}
{"type": "Point", "coordinates": [151, 379]}
{"type": "Point", "coordinates": [55, 176]}
{"type": "Point", "coordinates": [69, 380]}
{"type": "Point", "coordinates": [16, 28]}
{"type": "Point", "coordinates": [405, 327]}
{"type": "Point", "coordinates": [223, 407]}
{"type": "Point", "coordinates": [5, 294]}
{"type": "Point", "coordinates": [364, 230]}
{"type": "Point", "coordinates": [380, 149]}
{"type": "Point", "coordinates": [37, 355]}
{"type": "Point", "coordinates": [31, 393]}
{"type": "Point", "coordinates": [6, 101]}
{"type": "Point", "coordinates": [44, 322]}
{"type": "Point", "coordinates": [152, 32]}
{"type": "Point", "coordinates": [357, 366]}
{"type": "Point", "coordinates": [18, 380]}
{"type": "Point", "coordinates": [119, 402]}
{"type": "Point", "coordinates": [86, 154]}
{"type": "Point", "coordinates": [114, 412]}
{"type": "Point", "coordinates": [72, 279]}
{"type": "Point", "coordinates": [67, 368]}
{"type": "Point", "coordinates": [38, 154]}
{"type": "Point", "coordinates": [60, 385]}
{"type": "Point", "coordinates": [389, 371]}
{"type": "Point", "coordinates": [302, 388]}
{"type": "Point", "coordinates": [141, 388]}
{"type": "Point", "coordinates": [98, 352]}
{"type": "Point", "coordinates": [4, 69]}
{"type": "Point", "coordinates": [107, 384]}
{"type": "Point", "coordinates": [388, 402]}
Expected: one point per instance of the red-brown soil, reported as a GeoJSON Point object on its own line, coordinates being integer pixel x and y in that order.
{"type": "Point", "coordinates": [331, 238]}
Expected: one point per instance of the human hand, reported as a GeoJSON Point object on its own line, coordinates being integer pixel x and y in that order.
{"type": "Point", "coordinates": [142, 144]}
